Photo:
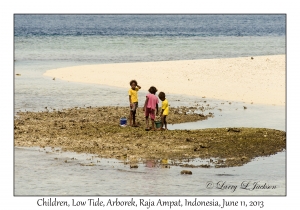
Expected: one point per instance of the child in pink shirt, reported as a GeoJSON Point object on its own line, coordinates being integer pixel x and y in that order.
{"type": "Point", "coordinates": [150, 105]}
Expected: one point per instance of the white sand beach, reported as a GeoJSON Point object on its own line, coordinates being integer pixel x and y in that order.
{"type": "Point", "coordinates": [259, 80]}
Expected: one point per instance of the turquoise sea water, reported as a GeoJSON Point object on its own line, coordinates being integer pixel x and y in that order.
{"type": "Point", "coordinates": [43, 42]}
{"type": "Point", "coordinates": [124, 49]}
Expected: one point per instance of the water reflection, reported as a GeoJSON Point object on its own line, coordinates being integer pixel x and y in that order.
{"type": "Point", "coordinates": [150, 163]}
{"type": "Point", "coordinates": [67, 173]}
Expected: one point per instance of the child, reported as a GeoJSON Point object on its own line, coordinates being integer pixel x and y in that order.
{"type": "Point", "coordinates": [164, 110]}
{"type": "Point", "coordinates": [133, 101]}
{"type": "Point", "coordinates": [150, 105]}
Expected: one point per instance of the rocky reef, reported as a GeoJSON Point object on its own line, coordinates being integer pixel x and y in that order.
{"type": "Point", "coordinates": [96, 130]}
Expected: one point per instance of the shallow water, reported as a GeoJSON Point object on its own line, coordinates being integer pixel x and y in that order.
{"type": "Point", "coordinates": [67, 173]}
{"type": "Point", "coordinates": [34, 92]}
{"type": "Point", "coordinates": [233, 114]}
{"type": "Point", "coordinates": [50, 176]}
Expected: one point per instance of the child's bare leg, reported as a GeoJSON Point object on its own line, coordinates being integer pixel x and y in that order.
{"type": "Point", "coordinates": [133, 117]}
{"type": "Point", "coordinates": [133, 111]}
{"type": "Point", "coordinates": [152, 116]}
{"type": "Point", "coordinates": [165, 122]}
{"type": "Point", "coordinates": [130, 118]}
{"type": "Point", "coordinates": [162, 122]}
{"type": "Point", "coordinates": [147, 122]}
{"type": "Point", "coordinates": [152, 122]}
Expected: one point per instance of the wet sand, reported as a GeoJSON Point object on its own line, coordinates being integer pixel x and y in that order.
{"type": "Point", "coordinates": [96, 130]}
{"type": "Point", "coordinates": [259, 80]}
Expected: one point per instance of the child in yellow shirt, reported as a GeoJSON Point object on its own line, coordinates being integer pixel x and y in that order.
{"type": "Point", "coordinates": [133, 101]}
{"type": "Point", "coordinates": [164, 110]}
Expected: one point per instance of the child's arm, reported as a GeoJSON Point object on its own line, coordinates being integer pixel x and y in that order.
{"type": "Point", "coordinates": [130, 101]}
{"type": "Point", "coordinates": [156, 109]}
{"type": "Point", "coordinates": [139, 86]}
{"type": "Point", "coordinates": [146, 101]}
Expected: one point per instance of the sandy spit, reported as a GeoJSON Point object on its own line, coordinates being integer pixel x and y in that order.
{"type": "Point", "coordinates": [249, 79]}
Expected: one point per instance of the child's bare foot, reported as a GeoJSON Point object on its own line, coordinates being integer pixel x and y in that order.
{"type": "Point", "coordinates": [135, 125]}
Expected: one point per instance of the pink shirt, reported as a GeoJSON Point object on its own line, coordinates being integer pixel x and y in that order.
{"type": "Point", "coordinates": [152, 101]}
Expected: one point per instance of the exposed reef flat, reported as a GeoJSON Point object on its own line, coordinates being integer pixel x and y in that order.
{"type": "Point", "coordinates": [96, 130]}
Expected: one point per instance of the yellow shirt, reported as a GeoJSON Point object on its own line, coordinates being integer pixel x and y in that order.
{"type": "Point", "coordinates": [133, 94]}
{"type": "Point", "coordinates": [165, 107]}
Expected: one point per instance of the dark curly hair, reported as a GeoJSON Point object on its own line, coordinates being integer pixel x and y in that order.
{"type": "Point", "coordinates": [161, 95]}
{"type": "Point", "coordinates": [133, 81]}
{"type": "Point", "coordinates": [152, 90]}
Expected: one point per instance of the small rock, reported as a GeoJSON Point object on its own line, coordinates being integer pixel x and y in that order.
{"type": "Point", "coordinates": [197, 149]}
{"type": "Point", "coordinates": [203, 145]}
{"type": "Point", "coordinates": [185, 172]}
{"type": "Point", "coordinates": [221, 166]}
{"type": "Point", "coordinates": [233, 129]}
{"type": "Point", "coordinates": [88, 164]}
{"type": "Point", "coordinates": [244, 158]}
{"type": "Point", "coordinates": [220, 161]}
{"type": "Point", "coordinates": [133, 166]}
